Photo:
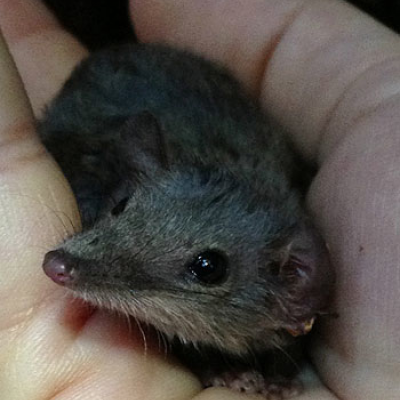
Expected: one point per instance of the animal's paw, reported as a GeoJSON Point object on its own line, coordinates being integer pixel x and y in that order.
{"type": "Point", "coordinates": [282, 388]}
{"type": "Point", "coordinates": [252, 382]}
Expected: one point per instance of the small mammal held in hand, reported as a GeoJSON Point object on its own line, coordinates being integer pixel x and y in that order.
{"type": "Point", "coordinates": [191, 222]}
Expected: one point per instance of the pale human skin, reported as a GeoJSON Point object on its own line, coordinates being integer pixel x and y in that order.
{"type": "Point", "coordinates": [330, 76]}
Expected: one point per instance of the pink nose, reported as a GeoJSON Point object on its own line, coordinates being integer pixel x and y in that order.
{"type": "Point", "coordinates": [57, 267]}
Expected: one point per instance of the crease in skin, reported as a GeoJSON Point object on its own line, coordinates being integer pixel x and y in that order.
{"type": "Point", "coordinates": [46, 380]}
{"type": "Point", "coordinates": [67, 382]}
{"type": "Point", "coordinates": [379, 325]}
{"type": "Point", "coordinates": [33, 13]}
{"type": "Point", "coordinates": [17, 157]}
{"type": "Point", "coordinates": [204, 44]}
{"type": "Point", "coordinates": [14, 104]}
{"type": "Point", "coordinates": [49, 29]}
{"type": "Point", "coordinates": [271, 47]}
{"type": "Point", "coordinates": [364, 120]}
{"type": "Point", "coordinates": [325, 131]}
{"type": "Point", "coordinates": [43, 82]}
{"type": "Point", "coordinates": [26, 226]}
{"type": "Point", "coordinates": [313, 120]}
{"type": "Point", "coordinates": [369, 111]}
{"type": "Point", "coordinates": [385, 384]}
{"type": "Point", "coordinates": [39, 326]}
{"type": "Point", "coordinates": [19, 321]}
{"type": "Point", "coordinates": [39, 38]}
{"type": "Point", "coordinates": [18, 314]}
{"type": "Point", "coordinates": [16, 132]}
{"type": "Point", "coordinates": [19, 147]}
{"type": "Point", "coordinates": [54, 34]}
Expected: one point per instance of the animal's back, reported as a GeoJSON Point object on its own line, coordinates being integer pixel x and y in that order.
{"type": "Point", "coordinates": [205, 120]}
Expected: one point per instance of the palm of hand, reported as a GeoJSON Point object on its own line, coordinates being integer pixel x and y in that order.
{"type": "Point", "coordinates": [336, 97]}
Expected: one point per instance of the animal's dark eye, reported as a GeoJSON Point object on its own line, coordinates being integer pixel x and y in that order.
{"type": "Point", "coordinates": [209, 267]}
{"type": "Point", "coordinates": [120, 207]}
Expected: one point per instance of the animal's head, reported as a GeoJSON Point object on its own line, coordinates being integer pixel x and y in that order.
{"type": "Point", "coordinates": [198, 254]}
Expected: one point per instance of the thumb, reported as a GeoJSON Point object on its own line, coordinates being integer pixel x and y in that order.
{"type": "Point", "coordinates": [304, 60]}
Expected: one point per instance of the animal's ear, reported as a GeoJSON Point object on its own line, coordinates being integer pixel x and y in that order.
{"type": "Point", "coordinates": [307, 276]}
{"type": "Point", "coordinates": [143, 140]}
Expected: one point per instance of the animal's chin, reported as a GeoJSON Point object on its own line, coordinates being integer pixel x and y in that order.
{"type": "Point", "coordinates": [183, 328]}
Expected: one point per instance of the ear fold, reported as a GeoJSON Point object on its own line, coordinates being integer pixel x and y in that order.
{"type": "Point", "coordinates": [143, 142]}
{"type": "Point", "coordinates": [308, 278]}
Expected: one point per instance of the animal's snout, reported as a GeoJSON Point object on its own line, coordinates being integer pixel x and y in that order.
{"type": "Point", "coordinates": [58, 266]}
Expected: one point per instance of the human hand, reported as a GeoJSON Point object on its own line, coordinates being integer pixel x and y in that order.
{"type": "Point", "coordinates": [52, 348]}
{"type": "Point", "coordinates": [330, 76]}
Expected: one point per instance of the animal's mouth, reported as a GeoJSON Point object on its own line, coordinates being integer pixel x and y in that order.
{"type": "Point", "coordinates": [302, 328]}
{"type": "Point", "coordinates": [77, 274]}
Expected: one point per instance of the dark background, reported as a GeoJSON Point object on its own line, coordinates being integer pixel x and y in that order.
{"type": "Point", "coordinates": [98, 23]}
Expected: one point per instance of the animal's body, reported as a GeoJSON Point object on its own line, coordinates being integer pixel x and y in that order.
{"type": "Point", "coordinates": [192, 222]}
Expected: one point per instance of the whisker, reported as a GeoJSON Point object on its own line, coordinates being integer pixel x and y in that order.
{"type": "Point", "coordinates": [57, 213]}
{"type": "Point", "coordinates": [288, 356]}
{"type": "Point", "coordinates": [177, 294]}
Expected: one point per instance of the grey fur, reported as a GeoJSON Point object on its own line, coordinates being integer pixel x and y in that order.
{"type": "Point", "coordinates": [203, 169]}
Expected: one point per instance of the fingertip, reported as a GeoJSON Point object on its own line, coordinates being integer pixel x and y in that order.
{"type": "Point", "coordinates": [20, 19]}
{"type": "Point", "coordinates": [43, 51]}
{"type": "Point", "coordinates": [238, 34]}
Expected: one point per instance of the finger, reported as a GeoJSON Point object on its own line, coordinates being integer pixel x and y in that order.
{"type": "Point", "coordinates": [61, 354]}
{"type": "Point", "coordinates": [45, 53]}
{"type": "Point", "coordinates": [313, 390]}
{"type": "Point", "coordinates": [53, 347]}
{"type": "Point", "coordinates": [330, 75]}
{"type": "Point", "coordinates": [299, 57]}
{"type": "Point", "coordinates": [14, 105]}
{"type": "Point", "coordinates": [32, 195]}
